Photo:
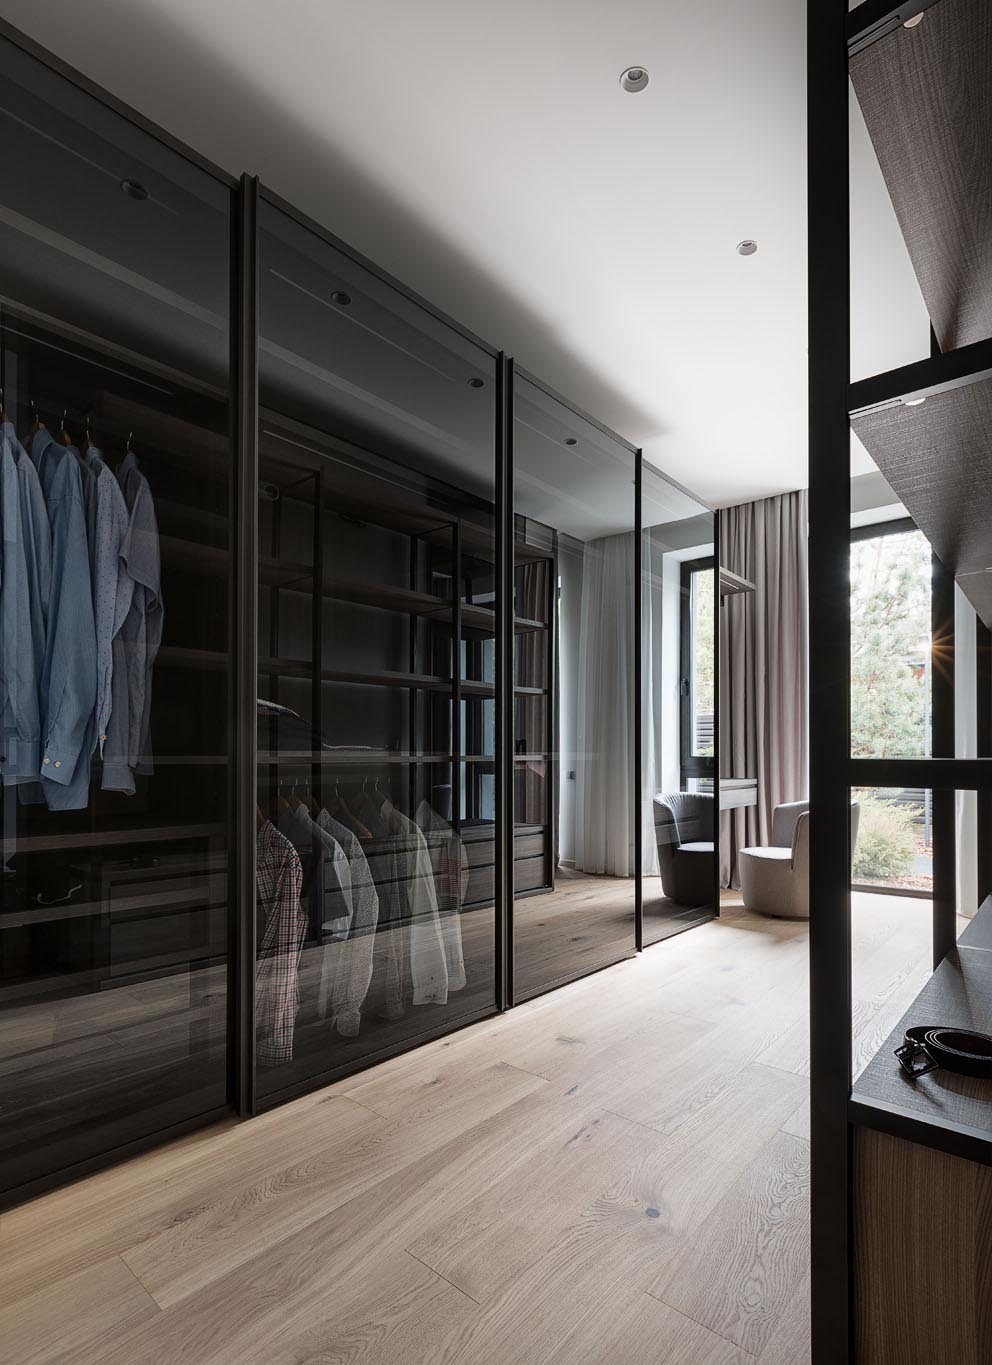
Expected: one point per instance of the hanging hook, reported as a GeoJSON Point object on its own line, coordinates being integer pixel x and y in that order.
{"type": "Point", "coordinates": [127, 443]}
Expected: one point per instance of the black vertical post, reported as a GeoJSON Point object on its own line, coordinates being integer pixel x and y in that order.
{"type": "Point", "coordinates": [828, 213]}
{"type": "Point", "coordinates": [503, 846]}
{"type": "Point", "coordinates": [245, 652]}
{"type": "Point", "coordinates": [317, 623]}
{"type": "Point", "coordinates": [983, 703]}
{"type": "Point", "coordinates": [457, 736]}
{"type": "Point", "coordinates": [638, 705]}
{"type": "Point", "coordinates": [552, 712]}
{"type": "Point", "coordinates": [942, 746]}
{"type": "Point", "coordinates": [717, 618]}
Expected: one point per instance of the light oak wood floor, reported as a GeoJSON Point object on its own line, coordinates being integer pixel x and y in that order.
{"type": "Point", "coordinates": [613, 1174]}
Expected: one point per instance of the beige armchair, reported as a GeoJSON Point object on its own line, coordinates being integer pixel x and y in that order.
{"type": "Point", "coordinates": [775, 880]}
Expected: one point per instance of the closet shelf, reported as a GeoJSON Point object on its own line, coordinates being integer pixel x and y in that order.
{"type": "Point", "coordinates": [292, 577]}
{"type": "Point", "coordinates": [216, 661]}
{"type": "Point", "coordinates": [356, 758]}
{"type": "Point", "coordinates": [732, 584]}
{"type": "Point", "coordinates": [113, 838]}
{"type": "Point", "coordinates": [481, 689]}
{"type": "Point", "coordinates": [195, 898]}
{"type": "Point", "coordinates": [937, 458]}
{"type": "Point", "coordinates": [943, 1110]}
{"type": "Point", "coordinates": [299, 668]}
{"type": "Point", "coordinates": [927, 101]}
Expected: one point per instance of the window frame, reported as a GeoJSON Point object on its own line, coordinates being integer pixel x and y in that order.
{"type": "Point", "coordinates": [691, 764]}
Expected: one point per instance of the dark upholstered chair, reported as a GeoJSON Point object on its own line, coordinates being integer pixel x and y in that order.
{"type": "Point", "coordinates": [683, 831]}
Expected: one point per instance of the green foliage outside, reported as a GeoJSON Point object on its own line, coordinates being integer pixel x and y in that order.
{"type": "Point", "coordinates": [890, 640]}
{"type": "Point", "coordinates": [702, 661]}
{"type": "Point", "coordinates": [887, 837]}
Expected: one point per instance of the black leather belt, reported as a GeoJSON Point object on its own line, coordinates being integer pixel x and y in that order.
{"type": "Point", "coordinates": [955, 1049]}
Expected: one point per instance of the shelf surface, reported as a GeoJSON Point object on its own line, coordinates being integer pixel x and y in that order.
{"type": "Point", "coordinates": [732, 583]}
{"type": "Point", "coordinates": [937, 458]}
{"type": "Point", "coordinates": [926, 95]}
{"type": "Point", "coordinates": [941, 1109]}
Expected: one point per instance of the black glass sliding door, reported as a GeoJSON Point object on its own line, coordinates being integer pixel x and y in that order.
{"type": "Point", "coordinates": [679, 719]}
{"type": "Point", "coordinates": [574, 809]}
{"type": "Point", "coordinates": [114, 630]}
{"type": "Point", "coordinates": [374, 858]}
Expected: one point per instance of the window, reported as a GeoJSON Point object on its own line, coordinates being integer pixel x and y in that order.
{"type": "Point", "coordinates": [891, 700]}
{"type": "Point", "coordinates": [697, 721]}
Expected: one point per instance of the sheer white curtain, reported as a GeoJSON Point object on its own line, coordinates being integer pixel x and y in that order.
{"type": "Point", "coordinates": [604, 773]}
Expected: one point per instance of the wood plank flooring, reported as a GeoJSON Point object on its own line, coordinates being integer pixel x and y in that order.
{"type": "Point", "coordinates": [612, 1174]}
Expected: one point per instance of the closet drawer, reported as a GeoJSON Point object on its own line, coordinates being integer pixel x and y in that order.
{"type": "Point", "coordinates": [170, 913]}
{"type": "Point", "coordinates": [166, 937]}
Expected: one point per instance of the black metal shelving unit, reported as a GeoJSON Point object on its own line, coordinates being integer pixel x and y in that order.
{"type": "Point", "coordinates": [920, 72]}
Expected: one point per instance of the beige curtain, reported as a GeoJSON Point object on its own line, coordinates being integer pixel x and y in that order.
{"type": "Point", "coordinates": [764, 682]}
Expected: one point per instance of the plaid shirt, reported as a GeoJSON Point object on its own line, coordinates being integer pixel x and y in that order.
{"type": "Point", "coordinates": [282, 928]}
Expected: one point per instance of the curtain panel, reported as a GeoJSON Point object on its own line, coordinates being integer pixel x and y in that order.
{"type": "Point", "coordinates": [605, 806]}
{"type": "Point", "coordinates": [764, 665]}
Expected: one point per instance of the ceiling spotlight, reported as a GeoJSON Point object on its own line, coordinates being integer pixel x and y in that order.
{"type": "Point", "coordinates": [747, 248]}
{"type": "Point", "coordinates": [634, 79]}
{"type": "Point", "coordinates": [134, 190]}
{"type": "Point", "coordinates": [476, 383]}
{"type": "Point", "coordinates": [571, 441]}
{"type": "Point", "coordinates": [342, 299]}
{"type": "Point", "coordinates": [916, 19]}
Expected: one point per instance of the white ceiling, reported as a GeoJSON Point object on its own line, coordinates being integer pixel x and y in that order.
{"type": "Point", "coordinates": [486, 155]}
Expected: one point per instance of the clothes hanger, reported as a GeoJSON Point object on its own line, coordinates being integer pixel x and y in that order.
{"type": "Point", "coordinates": [64, 436]}
{"type": "Point", "coordinates": [87, 437]}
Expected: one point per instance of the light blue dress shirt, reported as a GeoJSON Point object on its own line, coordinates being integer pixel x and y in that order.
{"type": "Point", "coordinates": [68, 684]}
{"type": "Point", "coordinates": [20, 720]}
{"type": "Point", "coordinates": [113, 587]}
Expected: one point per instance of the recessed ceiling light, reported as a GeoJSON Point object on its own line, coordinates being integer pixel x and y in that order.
{"type": "Point", "coordinates": [748, 247]}
{"type": "Point", "coordinates": [476, 383]}
{"type": "Point", "coordinates": [571, 441]}
{"type": "Point", "coordinates": [916, 19]}
{"type": "Point", "coordinates": [134, 190]}
{"type": "Point", "coordinates": [913, 402]}
{"type": "Point", "coordinates": [342, 299]}
{"type": "Point", "coordinates": [634, 79]}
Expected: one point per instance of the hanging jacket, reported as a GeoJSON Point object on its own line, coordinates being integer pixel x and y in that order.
{"type": "Point", "coordinates": [419, 914]}
{"type": "Point", "coordinates": [391, 955]}
{"type": "Point", "coordinates": [113, 587]}
{"type": "Point", "coordinates": [449, 863]}
{"type": "Point", "coordinates": [326, 877]}
{"type": "Point", "coordinates": [142, 629]}
{"type": "Point", "coordinates": [37, 534]}
{"type": "Point", "coordinates": [127, 748]}
{"type": "Point", "coordinates": [347, 967]}
{"type": "Point", "coordinates": [281, 927]}
{"type": "Point", "coordinates": [20, 675]}
{"type": "Point", "coordinates": [68, 684]}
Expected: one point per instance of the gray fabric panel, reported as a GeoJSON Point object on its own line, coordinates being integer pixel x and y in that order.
{"type": "Point", "coordinates": [926, 94]}
{"type": "Point", "coordinates": [764, 666]}
{"type": "Point", "coordinates": [937, 457]}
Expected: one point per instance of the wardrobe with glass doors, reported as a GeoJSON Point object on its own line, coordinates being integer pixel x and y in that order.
{"type": "Point", "coordinates": [340, 656]}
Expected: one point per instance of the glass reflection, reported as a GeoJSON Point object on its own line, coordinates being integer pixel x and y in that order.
{"type": "Point", "coordinates": [375, 846]}
{"type": "Point", "coordinates": [573, 762]}
{"type": "Point", "coordinates": [678, 694]}
{"type": "Point", "coordinates": [114, 599]}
